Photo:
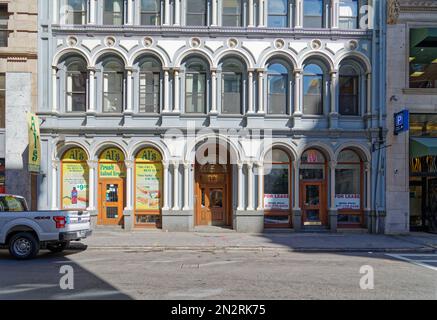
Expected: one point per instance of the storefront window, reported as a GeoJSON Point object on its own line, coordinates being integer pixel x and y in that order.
{"type": "Point", "coordinates": [312, 166]}
{"type": "Point", "coordinates": [423, 58]}
{"type": "Point", "coordinates": [111, 164]}
{"type": "Point", "coordinates": [148, 186]}
{"type": "Point", "coordinates": [277, 190]}
{"type": "Point", "coordinates": [74, 179]}
{"type": "Point", "coordinates": [348, 198]}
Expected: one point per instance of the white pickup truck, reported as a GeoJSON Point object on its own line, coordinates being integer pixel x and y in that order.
{"type": "Point", "coordinates": [25, 232]}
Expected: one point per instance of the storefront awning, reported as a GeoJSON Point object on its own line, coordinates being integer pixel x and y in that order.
{"type": "Point", "coordinates": [421, 147]}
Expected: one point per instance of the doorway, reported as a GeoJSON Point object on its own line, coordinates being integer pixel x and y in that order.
{"type": "Point", "coordinates": [111, 201]}
{"type": "Point", "coordinates": [313, 209]}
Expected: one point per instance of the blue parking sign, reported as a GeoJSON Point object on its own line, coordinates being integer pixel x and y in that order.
{"type": "Point", "coordinates": [402, 121]}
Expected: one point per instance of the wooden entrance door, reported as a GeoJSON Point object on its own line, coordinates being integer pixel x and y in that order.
{"type": "Point", "coordinates": [313, 203]}
{"type": "Point", "coordinates": [111, 201]}
{"type": "Point", "coordinates": [212, 206]}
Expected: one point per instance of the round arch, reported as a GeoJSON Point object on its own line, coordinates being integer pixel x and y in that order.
{"type": "Point", "coordinates": [193, 52]}
{"type": "Point", "coordinates": [320, 146]}
{"type": "Point", "coordinates": [360, 149]}
{"type": "Point", "coordinates": [138, 55]}
{"type": "Point", "coordinates": [311, 55]}
{"type": "Point", "coordinates": [101, 54]}
{"type": "Point", "coordinates": [233, 53]}
{"type": "Point", "coordinates": [59, 152]}
{"type": "Point", "coordinates": [64, 53]}
{"type": "Point", "coordinates": [358, 57]}
{"type": "Point", "coordinates": [281, 145]}
{"type": "Point", "coordinates": [99, 148]}
{"type": "Point", "coordinates": [279, 55]}
{"type": "Point", "coordinates": [135, 148]}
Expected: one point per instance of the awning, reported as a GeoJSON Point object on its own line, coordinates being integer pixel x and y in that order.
{"type": "Point", "coordinates": [421, 147]}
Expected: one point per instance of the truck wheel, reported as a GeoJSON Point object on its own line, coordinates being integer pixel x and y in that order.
{"type": "Point", "coordinates": [57, 247]}
{"type": "Point", "coordinates": [23, 246]}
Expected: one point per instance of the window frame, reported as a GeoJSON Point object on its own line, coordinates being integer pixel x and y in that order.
{"type": "Point", "coordinates": [322, 94]}
{"type": "Point", "coordinates": [114, 15]}
{"type": "Point", "coordinates": [323, 17]}
{"type": "Point", "coordinates": [71, 14]}
{"type": "Point", "coordinates": [152, 71]}
{"type": "Point", "coordinates": [204, 14]}
{"type": "Point", "coordinates": [351, 18]}
{"type": "Point", "coordinates": [241, 91]}
{"type": "Point", "coordinates": [157, 14]}
{"type": "Point", "coordinates": [111, 72]}
{"type": "Point", "coordinates": [269, 75]}
{"type": "Point", "coordinates": [287, 16]}
{"type": "Point", "coordinates": [4, 21]}
{"type": "Point", "coordinates": [239, 16]}
{"type": "Point", "coordinates": [204, 73]}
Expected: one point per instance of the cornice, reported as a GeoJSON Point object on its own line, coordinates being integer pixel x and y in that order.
{"type": "Point", "coordinates": [417, 5]}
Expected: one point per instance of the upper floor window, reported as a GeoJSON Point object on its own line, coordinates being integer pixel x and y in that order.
{"type": "Point", "coordinates": [232, 13]}
{"type": "Point", "coordinates": [196, 12]}
{"type": "Point", "coordinates": [113, 12]}
{"type": "Point", "coordinates": [277, 88]}
{"type": "Point", "coordinates": [348, 15]}
{"type": "Point", "coordinates": [313, 80]}
{"type": "Point", "coordinates": [113, 83]}
{"type": "Point", "coordinates": [232, 84]}
{"type": "Point", "coordinates": [423, 58]}
{"type": "Point", "coordinates": [151, 12]}
{"type": "Point", "coordinates": [76, 12]}
{"type": "Point", "coordinates": [4, 18]}
{"type": "Point", "coordinates": [195, 86]}
{"type": "Point", "coordinates": [277, 15]}
{"type": "Point", "coordinates": [313, 13]}
{"type": "Point", "coordinates": [349, 82]}
{"type": "Point", "coordinates": [76, 78]}
{"type": "Point", "coordinates": [150, 77]}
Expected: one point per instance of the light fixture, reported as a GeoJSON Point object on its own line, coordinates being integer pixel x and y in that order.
{"type": "Point", "coordinates": [412, 59]}
{"type": "Point", "coordinates": [417, 74]}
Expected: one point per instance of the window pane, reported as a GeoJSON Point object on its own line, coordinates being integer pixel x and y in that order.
{"type": "Point", "coordinates": [4, 17]}
{"type": "Point", "coordinates": [347, 179]}
{"type": "Point", "coordinates": [348, 16]}
{"type": "Point", "coordinates": [231, 95]}
{"type": "Point", "coordinates": [279, 156]}
{"type": "Point", "coordinates": [276, 188]}
{"type": "Point", "coordinates": [348, 95]}
{"type": "Point", "coordinates": [313, 95]}
{"type": "Point", "coordinates": [313, 156]}
{"type": "Point", "coordinates": [423, 58]}
{"type": "Point", "coordinates": [196, 13]}
{"type": "Point", "coordinates": [195, 93]}
{"type": "Point", "coordinates": [348, 156]}
{"type": "Point", "coordinates": [113, 12]}
{"type": "Point", "coordinates": [150, 12]}
{"type": "Point", "coordinates": [277, 6]}
{"type": "Point", "coordinates": [112, 92]}
{"type": "Point", "coordinates": [277, 96]}
{"type": "Point", "coordinates": [313, 13]}
{"type": "Point", "coordinates": [149, 92]}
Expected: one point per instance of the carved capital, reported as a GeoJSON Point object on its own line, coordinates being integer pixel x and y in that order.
{"type": "Point", "coordinates": [393, 11]}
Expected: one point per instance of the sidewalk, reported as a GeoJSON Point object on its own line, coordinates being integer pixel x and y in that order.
{"type": "Point", "coordinates": [286, 241]}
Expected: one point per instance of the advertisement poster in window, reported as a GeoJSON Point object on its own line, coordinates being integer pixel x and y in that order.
{"type": "Point", "coordinates": [348, 201]}
{"type": "Point", "coordinates": [276, 201]}
{"type": "Point", "coordinates": [148, 186]}
{"type": "Point", "coordinates": [74, 185]}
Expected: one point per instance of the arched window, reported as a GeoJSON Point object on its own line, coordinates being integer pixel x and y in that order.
{"type": "Point", "coordinates": [277, 197]}
{"type": "Point", "coordinates": [278, 13]}
{"type": "Point", "coordinates": [277, 88]}
{"type": "Point", "coordinates": [75, 86]}
{"type": "Point", "coordinates": [76, 12]}
{"type": "Point", "coordinates": [232, 86]}
{"type": "Point", "coordinates": [314, 13]}
{"type": "Point", "coordinates": [74, 177]}
{"type": "Point", "coordinates": [349, 90]}
{"type": "Point", "coordinates": [232, 13]}
{"type": "Point", "coordinates": [151, 12]}
{"type": "Point", "coordinates": [349, 15]}
{"type": "Point", "coordinates": [313, 83]}
{"type": "Point", "coordinates": [113, 12]}
{"type": "Point", "coordinates": [196, 12]}
{"type": "Point", "coordinates": [195, 85]}
{"type": "Point", "coordinates": [349, 188]}
{"type": "Point", "coordinates": [149, 79]}
{"type": "Point", "coordinates": [113, 83]}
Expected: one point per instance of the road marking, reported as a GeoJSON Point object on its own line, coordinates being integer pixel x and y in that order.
{"type": "Point", "coordinates": [419, 262]}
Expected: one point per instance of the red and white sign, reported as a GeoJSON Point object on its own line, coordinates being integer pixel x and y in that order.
{"type": "Point", "coordinates": [348, 201]}
{"type": "Point", "coordinates": [276, 201]}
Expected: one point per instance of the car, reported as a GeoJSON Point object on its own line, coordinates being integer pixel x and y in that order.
{"type": "Point", "coordinates": [25, 232]}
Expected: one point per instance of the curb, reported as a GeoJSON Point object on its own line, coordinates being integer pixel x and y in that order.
{"type": "Point", "coordinates": [256, 249]}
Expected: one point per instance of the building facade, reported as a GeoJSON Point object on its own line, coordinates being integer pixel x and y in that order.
{"type": "Point", "coordinates": [412, 86]}
{"type": "Point", "coordinates": [244, 114]}
{"type": "Point", "coordinates": [18, 92]}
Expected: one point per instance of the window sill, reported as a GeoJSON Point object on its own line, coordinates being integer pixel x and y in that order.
{"type": "Point", "coordinates": [420, 91]}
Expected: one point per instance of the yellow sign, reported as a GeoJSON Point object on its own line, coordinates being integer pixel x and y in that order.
{"type": "Point", "coordinates": [75, 155]}
{"type": "Point", "coordinates": [34, 160]}
{"type": "Point", "coordinates": [74, 185]}
{"type": "Point", "coordinates": [148, 155]}
{"type": "Point", "coordinates": [112, 155]}
{"type": "Point", "coordinates": [148, 177]}
{"type": "Point", "coordinates": [111, 170]}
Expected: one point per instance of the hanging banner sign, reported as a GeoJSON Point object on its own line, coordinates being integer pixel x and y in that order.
{"type": "Point", "coordinates": [348, 201]}
{"type": "Point", "coordinates": [34, 160]}
{"type": "Point", "coordinates": [148, 178]}
{"type": "Point", "coordinates": [276, 201]}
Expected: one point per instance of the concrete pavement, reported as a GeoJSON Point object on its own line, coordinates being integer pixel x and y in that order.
{"type": "Point", "coordinates": [280, 241]}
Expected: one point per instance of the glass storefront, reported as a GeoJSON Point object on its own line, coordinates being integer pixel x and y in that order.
{"type": "Point", "coordinates": [423, 58]}
{"type": "Point", "coordinates": [74, 182]}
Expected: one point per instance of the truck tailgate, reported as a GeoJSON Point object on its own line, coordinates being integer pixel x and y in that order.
{"type": "Point", "coordinates": [77, 221]}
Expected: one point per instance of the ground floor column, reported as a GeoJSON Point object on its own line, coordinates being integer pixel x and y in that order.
{"type": "Point", "coordinates": [175, 185]}
{"type": "Point", "coordinates": [165, 174]}
{"type": "Point", "coordinates": [332, 209]}
{"type": "Point", "coordinates": [55, 166]}
{"type": "Point", "coordinates": [260, 186]}
{"type": "Point", "coordinates": [187, 190]}
{"type": "Point", "coordinates": [240, 186]}
{"type": "Point", "coordinates": [250, 189]}
{"type": "Point", "coordinates": [297, 212]}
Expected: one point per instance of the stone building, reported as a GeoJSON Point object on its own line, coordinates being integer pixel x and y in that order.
{"type": "Point", "coordinates": [18, 93]}
{"type": "Point", "coordinates": [412, 86]}
{"type": "Point", "coordinates": [282, 97]}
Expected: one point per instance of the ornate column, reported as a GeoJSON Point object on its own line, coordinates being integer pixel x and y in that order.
{"type": "Point", "coordinates": [369, 94]}
{"type": "Point", "coordinates": [298, 92]}
{"type": "Point", "coordinates": [56, 13]}
{"type": "Point", "coordinates": [167, 13]}
{"type": "Point", "coordinates": [177, 15]}
{"type": "Point", "coordinates": [175, 185]}
{"type": "Point", "coordinates": [299, 14]}
{"type": "Point", "coordinates": [92, 89]}
{"type": "Point", "coordinates": [297, 212]}
{"type": "Point", "coordinates": [165, 184]}
{"type": "Point", "coordinates": [166, 91]}
{"type": "Point", "coordinates": [250, 22]}
{"type": "Point", "coordinates": [367, 170]}
{"type": "Point", "coordinates": [332, 208]}
{"type": "Point", "coordinates": [260, 91]}
{"type": "Point", "coordinates": [187, 192]}
{"type": "Point", "coordinates": [335, 8]}
{"type": "Point", "coordinates": [92, 14]}
{"type": "Point", "coordinates": [261, 13]}
{"type": "Point", "coordinates": [176, 95]}
{"type": "Point", "coordinates": [260, 166]}
{"type": "Point", "coordinates": [55, 89]}
{"type": "Point", "coordinates": [129, 92]}
{"type": "Point", "coordinates": [55, 165]}
{"type": "Point", "coordinates": [213, 91]}
{"type": "Point", "coordinates": [129, 184]}
{"type": "Point", "coordinates": [130, 11]}
{"type": "Point", "coordinates": [92, 166]}
{"type": "Point", "coordinates": [240, 186]}
{"type": "Point", "coordinates": [250, 189]}
{"type": "Point", "coordinates": [333, 115]}
{"type": "Point", "coordinates": [214, 12]}
{"type": "Point", "coordinates": [250, 92]}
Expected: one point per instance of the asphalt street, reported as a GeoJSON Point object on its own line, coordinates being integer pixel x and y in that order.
{"type": "Point", "coordinates": [203, 274]}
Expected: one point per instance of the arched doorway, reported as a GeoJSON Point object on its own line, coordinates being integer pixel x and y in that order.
{"type": "Point", "coordinates": [74, 179]}
{"type": "Point", "coordinates": [213, 189]}
{"type": "Point", "coordinates": [148, 188]}
{"type": "Point", "coordinates": [313, 185]}
{"type": "Point", "coordinates": [111, 196]}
